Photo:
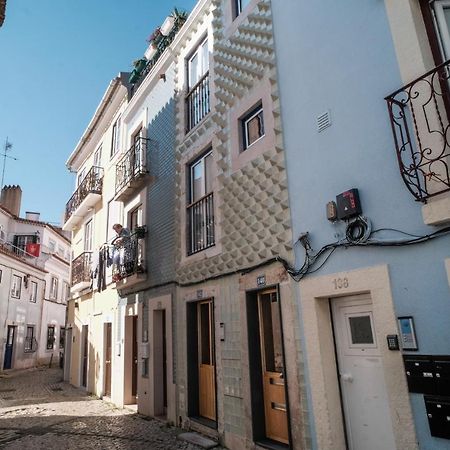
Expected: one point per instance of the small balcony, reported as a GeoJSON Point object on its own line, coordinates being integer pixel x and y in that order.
{"type": "Point", "coordinates": [132, 170]}
{"type": "Point", "coordinates": [197, 103]}
{"type": "Point", "coordinates": [88, 193]}
{"type": "Point", "coordinates": [200, 221]}
{"type": "Point", "coordinates": [419, 114]}
{"type": "Point", "coordinates": [128, 260]}
{"type": "Point", "coordinates": [81, 272]}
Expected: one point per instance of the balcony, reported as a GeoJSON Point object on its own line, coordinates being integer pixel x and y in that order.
{"type": "Point", "coordinates": [128, 260]}
{"type": "Point", "coordinates": [200, 221]}
{"type": "Point", "coordinates": [132, 170]}
{"type": "Point", "coordinates": [88, 193]}
{"type": "Point", "coordinates": [419, 115]}
{"type": "Point", "coordinates": [197, 103]}
{"type": "Point", "coordinates": [81, 272]}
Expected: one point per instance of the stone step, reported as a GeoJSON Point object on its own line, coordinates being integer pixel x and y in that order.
{"type": "Point", "coordinates": [197, 439]}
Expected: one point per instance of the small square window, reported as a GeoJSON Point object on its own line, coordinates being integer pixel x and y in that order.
{"type": "Point", "coordinates": [361, 330]}
{"type": "Point", "coordinates": [252, 127]}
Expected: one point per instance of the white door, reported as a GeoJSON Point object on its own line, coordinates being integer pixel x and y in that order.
{"type": "Point", "coordinates": [360, 366]}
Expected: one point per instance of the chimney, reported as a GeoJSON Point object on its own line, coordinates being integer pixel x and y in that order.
{"type": "Point", "coordinates": [29, 215]}
{"type": "Point", "coordinates": [11, 198]}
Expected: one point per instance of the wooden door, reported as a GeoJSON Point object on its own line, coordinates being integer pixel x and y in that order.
{"type": "Point", "coordinates": [9, 348]}
{"type": "Point", "coordinates": [206, 376]}
{"type": "Point", "coordinates": [108, 355]}
{"type": "Point", "coordinates": [135, 360]}
{"type": "Point", "coordinates": [272, 363]}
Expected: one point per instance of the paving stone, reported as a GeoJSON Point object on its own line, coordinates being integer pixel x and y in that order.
{"type": "Point", "coordinates": [46, 413]}
{"type": "Point", "coordinates": [198, 439]}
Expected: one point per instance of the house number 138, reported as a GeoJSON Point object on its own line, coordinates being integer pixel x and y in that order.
{"type": "Point", "coordinates": [340, 283]}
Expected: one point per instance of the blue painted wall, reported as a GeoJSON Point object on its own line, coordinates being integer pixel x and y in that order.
{"type": "Point", "coordinates": [339, 56]}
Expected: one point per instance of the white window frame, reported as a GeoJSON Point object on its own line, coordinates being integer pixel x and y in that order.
{"type": "Point", "coordinates": [66, 291]}
{"type": "Point", "coordinates": [198, 161]}
{"type": "Point", "coordinates": [115, 138]}
{"type": "Point", "coordinates": [442, 27]}
{"type": "Point", "coordinates": [34, 291]}
{"type": "Point", "coordinates": [239, 6]}
{"type": "Point", "coordinates": [53, 295]}
{"type": "Point", "coordinates": [88, 235]}
{"type": "Point", "coordinates": [16, 286]}
{"type": "Point", "coordinates": [246, 120]}
{"type": "Point", "coordinates": [81, 175]}
{"type": "Point", "coordinates": [51, 246]}
{"type": "Point", "coordinates": [202, 65]}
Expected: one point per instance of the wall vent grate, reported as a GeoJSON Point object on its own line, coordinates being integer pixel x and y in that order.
{"type": "Point", "coordinates": [323, 121]}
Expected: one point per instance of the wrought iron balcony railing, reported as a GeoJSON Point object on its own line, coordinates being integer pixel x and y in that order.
{"type": "Point", "coordinates": [420, 124]}
{"type": "Point", "coordinates": [81, 268]}
{"type": "Point", "coordinates": [200, 225]}
{"type": "Point", "coordinates": [133, 164]}
{"type": "Point", "coordinates": [197, 103]}
{"type": "Point", "coordinates": [91, 184]}
{"type": "Point", "coordinates": [128, 255]}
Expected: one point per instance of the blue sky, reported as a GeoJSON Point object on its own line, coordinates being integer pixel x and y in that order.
{"type": "Point", "coordinates": [56, 60]}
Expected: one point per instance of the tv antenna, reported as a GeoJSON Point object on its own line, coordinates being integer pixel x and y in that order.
{"type": "Point", "coordinates": [6, 149]}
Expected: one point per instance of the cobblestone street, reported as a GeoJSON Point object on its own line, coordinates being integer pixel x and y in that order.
{"type": "Point", "coordinates": [39, 411]}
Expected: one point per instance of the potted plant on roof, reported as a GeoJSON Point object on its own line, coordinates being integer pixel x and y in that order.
{"type": "Point", "coordinates": [139, 66]}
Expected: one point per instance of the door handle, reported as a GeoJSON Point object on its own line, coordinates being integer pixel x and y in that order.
{"type": "Point", "coordinates": [347, 377]}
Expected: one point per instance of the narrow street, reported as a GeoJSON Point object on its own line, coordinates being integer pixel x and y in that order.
{"type": "Point", "coordinates": [40, 411]}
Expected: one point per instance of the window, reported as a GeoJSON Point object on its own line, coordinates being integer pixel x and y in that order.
{"type": "Point", "coordinates": [200, 210]}
{"type": "Point", "coordinates": [81, 175]}
{"type": "Point", "coordinates": [442, 14]}
{"type": "Point", "coordinates": [62, 337]}
{"type": "Point", "coordinates": [50, 337]}
{"type": "Point", "coordinates": [1, 275]}
{"type": "Point", "coordinates": [16, 286]}
{"type": "Point", "coordinates": [197, 99]}
{"type": "Point", "coordinates": [98, 157]}
{"type": "Point", "coordinates": [21, 241]}
{"type": "Point", "coordinates": [29, 339]}
{"type": "Point", "coordinates": [239, 6]}
{"type": "Point", "coordinates": [34, 290]}
{"type": "Point", "coordinates": [60, 251]}
{"type": "Point", "coordinates": [54, 288]}
{"type": "Point", "coordinates": [115, 138]}
{"type": "Point", "coordinates": [52, 245]}
{"type": "Point", "coordinates": [113, 217]}
{"type": "Point", "coordinates": [88, 236]}
{"type": "Point", "coordinates": [135, 218]}
{"type": "Point", "coordinates": [252, 127]}
{"type": "Point", "coordinates": [66, 292]}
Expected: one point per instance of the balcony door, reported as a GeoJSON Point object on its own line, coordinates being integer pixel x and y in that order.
{"type": "Point", "coordinates": [198, 64]}
{"type": "Point", "coordinates": [442, 17]}
{"type": "Point", "coordinates": [201, 208]}
{"type": "Point", "coordinates": [88, 234]}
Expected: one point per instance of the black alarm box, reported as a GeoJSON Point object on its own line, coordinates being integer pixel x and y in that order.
{"type": "Point", "coordinates": [348, 204]}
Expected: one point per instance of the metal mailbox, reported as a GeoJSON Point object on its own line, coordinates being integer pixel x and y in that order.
{"type": "Point", "coordinates": [438, 413]}
{"type": "Point", "coordinates": [442, 375]}
{"type": "Point", "coordinates": [420, 373]}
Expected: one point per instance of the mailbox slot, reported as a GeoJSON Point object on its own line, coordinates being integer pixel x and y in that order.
{"type": "Point", "coordinates": [438, 413]}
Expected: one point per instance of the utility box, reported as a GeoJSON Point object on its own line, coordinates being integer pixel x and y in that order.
{"type": "Point", "coordinates": [438, 413]}
{"type": "Point", "coordinates": [348, 204]}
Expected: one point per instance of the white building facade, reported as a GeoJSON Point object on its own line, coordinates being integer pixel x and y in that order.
{"type": "Point", "coordinates": [34, 280]}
